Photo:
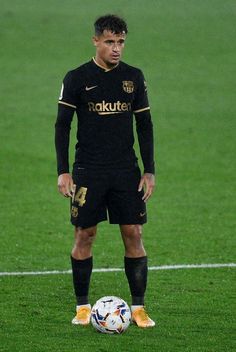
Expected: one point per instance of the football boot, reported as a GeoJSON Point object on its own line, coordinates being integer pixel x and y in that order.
{"type": "Point", "coordinates": [141, 318]}
{"type": "Point", "coordinates": [83, 314]}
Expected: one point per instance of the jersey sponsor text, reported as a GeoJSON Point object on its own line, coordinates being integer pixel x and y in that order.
{"type": "Point", "coordinates": [104, 108]}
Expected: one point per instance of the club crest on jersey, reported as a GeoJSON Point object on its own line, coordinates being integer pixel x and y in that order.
{"type": "Point", "coordinates": [128, 86]}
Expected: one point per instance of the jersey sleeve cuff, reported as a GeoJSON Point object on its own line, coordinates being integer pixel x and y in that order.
{"type": "Point", "coordinates": [62, 171]}
{"type": "Point", "coordinates": [150, 170]}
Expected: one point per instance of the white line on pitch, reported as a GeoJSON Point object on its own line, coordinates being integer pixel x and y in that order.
{"type": "Point", "coordinates": [161, 267]}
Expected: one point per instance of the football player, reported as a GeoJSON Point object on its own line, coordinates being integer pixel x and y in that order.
{"type": "Point", "coordinates": [107, 95]}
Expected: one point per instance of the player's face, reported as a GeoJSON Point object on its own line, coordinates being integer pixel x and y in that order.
{"type": "Point", "coordinates": [109, 48]}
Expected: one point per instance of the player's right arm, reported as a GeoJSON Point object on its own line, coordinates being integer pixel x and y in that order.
{"type": "Point", "coordinates": [66, 108]}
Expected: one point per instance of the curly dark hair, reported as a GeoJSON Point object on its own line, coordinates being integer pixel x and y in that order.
{"type": "Point", "coordinates": [111, 23]}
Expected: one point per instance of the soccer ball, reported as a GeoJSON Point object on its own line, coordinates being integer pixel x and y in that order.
{"type": "Point", "coordinates": [110, 315]}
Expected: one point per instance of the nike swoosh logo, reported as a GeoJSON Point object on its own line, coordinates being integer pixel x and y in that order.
{"type": "Point", "coordinates": [142, 214]}
{"type": "Point", "coordinates": [89, 88]}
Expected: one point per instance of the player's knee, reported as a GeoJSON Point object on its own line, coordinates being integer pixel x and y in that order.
{"type": "Point", "coordinates": [132, 238]}
{"type": "Point", "coordinates": [138, 231]}
{"type": "Point", "coordinates": [132, 235]}
{"type": "Point", "coordinates": [132, 232]}
{"type": "Point", "coordinates": [84, 237]}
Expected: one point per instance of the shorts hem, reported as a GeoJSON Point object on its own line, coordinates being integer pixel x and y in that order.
{"type": "Point", "coordinates": [128, 222]}
{"type": "Point", "coordinates": [87, 225]}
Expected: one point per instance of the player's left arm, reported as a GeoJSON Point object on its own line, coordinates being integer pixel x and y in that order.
{"type": "Point", "coordinates": [144, 129]}
{"type": "Point", "coordinates": [148, 183]}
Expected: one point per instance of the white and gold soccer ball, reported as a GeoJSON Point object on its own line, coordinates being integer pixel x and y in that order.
{"type": "Point", "coordinates": [111, 315]}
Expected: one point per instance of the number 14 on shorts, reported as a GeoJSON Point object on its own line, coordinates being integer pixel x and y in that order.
{"type": "Point", "coordinates": [80, 196]}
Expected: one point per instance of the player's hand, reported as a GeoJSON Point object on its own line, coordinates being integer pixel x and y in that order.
{"type": "Point", "coordinates": [148, 183]}
{"type": "Point", "coordinates": [66, 185]}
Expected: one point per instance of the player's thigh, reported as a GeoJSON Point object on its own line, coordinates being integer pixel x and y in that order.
{"type": "Point", "coordinates": [88, 205]}
{"type": "Point", "coordinates": [125, 204]}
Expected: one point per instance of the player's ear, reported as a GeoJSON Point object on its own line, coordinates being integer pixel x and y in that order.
{"type": "Point", "coordinates": [95, 40]}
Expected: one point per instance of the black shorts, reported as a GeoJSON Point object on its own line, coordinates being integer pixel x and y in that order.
{"type": "Point", "coordinates": [102, 191]}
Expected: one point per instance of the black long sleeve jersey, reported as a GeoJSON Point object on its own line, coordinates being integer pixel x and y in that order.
{"type": "Point", "coordinates": [105, 102]}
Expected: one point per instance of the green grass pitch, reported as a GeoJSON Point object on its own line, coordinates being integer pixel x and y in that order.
{"type": "Point", "coordinates": [187, 50]}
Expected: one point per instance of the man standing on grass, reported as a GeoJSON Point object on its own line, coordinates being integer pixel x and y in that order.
{"type": "Point", "coordinates": [106, 93]}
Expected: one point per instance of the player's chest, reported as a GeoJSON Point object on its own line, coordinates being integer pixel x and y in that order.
{"type": "Point", "coordinates": [108, 89]}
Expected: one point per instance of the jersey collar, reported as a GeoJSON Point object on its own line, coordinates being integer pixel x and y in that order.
{"type": "Point", "coordinates": [104, 68]}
